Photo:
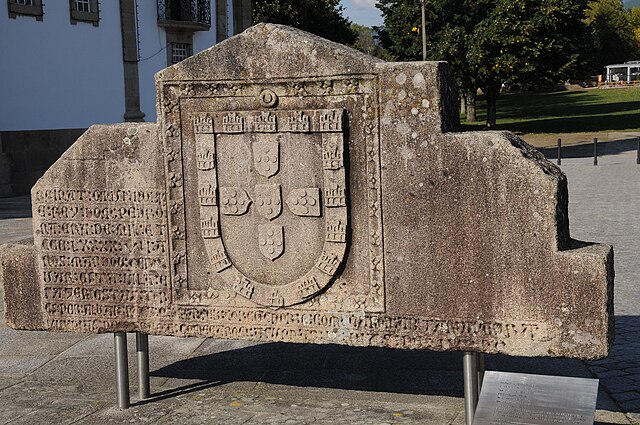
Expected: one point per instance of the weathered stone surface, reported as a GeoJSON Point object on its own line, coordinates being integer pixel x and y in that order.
{"type": "Point", "coordinates": [23, 303]}
{"type": "Point", "coordinates": [297, 190]}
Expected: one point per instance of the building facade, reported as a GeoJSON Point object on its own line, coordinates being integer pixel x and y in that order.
{"type": "Point", "coordinates": [69, 64]}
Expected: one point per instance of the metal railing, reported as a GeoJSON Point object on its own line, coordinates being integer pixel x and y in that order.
{"type": "Point", "coordinates": [196, 11]}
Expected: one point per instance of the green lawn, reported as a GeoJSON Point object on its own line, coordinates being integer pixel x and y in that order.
{"type": "Point", "coordinates": [592, 110]}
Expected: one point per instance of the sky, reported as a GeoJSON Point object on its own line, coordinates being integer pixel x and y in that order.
{"type": "Point", "coordinates": [362, 12]}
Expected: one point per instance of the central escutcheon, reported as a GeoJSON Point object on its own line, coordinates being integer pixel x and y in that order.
{"type": "Point", "coordinates": [272, 191]}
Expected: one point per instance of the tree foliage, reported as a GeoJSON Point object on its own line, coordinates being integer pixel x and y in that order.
{"type": "Point", "coordinates": [634, 18]}
{"type": "Point", "coordinates": [366, 43]}
{"type": "Point", "coordinates": [613, 35]}
{"type": "Point", "coordinates": [489, 42]}
{"type": "Point", "coordinates": [320, 17]}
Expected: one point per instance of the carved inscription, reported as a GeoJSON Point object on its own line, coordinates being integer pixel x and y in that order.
{"type": "Point", "coordinates": [99, 247]}
{"type": "Point", "coordinates": [290, 326]}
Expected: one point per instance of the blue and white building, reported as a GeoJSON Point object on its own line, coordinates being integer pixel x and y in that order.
{"type": "Point", "coordinates": [68, 64]}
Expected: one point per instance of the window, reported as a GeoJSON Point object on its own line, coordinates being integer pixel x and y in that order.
{"type": "Point", "coordinates": [180, 51]}
{"type": "Point", "coordinates": [82, 6]}
{"type": "Point", "coordinates": [25, 7]}
{"type": "Point", "coordinates": [85, 11]}
{"type": "Point", "coordinates": [179, 46]}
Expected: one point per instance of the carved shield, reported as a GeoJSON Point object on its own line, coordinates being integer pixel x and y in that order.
{"type": "Point", "coordinates": [261, 251]}
{"type": "Point", "coordinates": [271, 240]}
{"type": "Point", "coordinates": [268, 200]}
{"type": "Point", "coordinates": [266, 156]}
{"type": "Point", "coordinates": [234, 201]}
{"type": "Point", "coordinates": [305, 202]}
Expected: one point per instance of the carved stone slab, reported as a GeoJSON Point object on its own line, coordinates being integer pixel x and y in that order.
{"type": "Point", "coordinates": [298, 190]}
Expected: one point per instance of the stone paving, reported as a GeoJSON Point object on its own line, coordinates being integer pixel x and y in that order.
{"type": "Point", "coordinates": [69, 378]}
{"type": "Point", "coordinates": [604, 202]}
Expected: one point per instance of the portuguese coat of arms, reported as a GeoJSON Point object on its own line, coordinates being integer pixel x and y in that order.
{"type": "Point", "coordinates": [272, 194]}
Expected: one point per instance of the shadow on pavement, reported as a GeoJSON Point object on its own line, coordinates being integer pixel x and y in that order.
{"type": "Point", "coordinates": [15, 207]}
{"type": "Point", "coordinates": [351, 368]}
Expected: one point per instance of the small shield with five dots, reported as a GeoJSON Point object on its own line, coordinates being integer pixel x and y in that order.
{"type": "Point", "coordinates": [266, 158]}
{"type": "Point", "coordinates": [271, 240]}
{"type": "Point", "coordinates": [268, 200]}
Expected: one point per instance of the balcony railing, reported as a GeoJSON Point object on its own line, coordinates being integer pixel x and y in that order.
{"type": "Point", "coordinates": [192, 15]}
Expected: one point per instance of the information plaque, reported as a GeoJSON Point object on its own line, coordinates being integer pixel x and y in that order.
{"type": "Point", "coordinates": [519, 398]}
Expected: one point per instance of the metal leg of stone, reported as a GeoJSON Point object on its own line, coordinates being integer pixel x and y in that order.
{"type": "Point", "coordinates": [470, 373]}
{"type": "Point", "coordinates": [480, 372]}
{"type": "Point", "coordinates": [122, 370]}
{"type": "Point", "coordinates": [142, 349]}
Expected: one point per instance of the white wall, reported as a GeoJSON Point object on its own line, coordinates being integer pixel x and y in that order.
{"type": "Point", "coordinates": [57, 75]}
{"type": "Point", "coordinates": [153, 54]}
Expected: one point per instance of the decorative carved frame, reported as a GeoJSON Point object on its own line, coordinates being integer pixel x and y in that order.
{"type": "Point", "coordinates": [172, 93]}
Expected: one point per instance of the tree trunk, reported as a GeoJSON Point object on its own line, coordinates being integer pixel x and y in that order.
{"type": "Point", "coordinates": [471, 106]}
{"type": "Point", "coordinates": [463, 104]}
{"type": "Point", "coordinates": [492, 92]}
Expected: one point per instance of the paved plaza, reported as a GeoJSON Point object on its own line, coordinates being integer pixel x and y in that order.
{"type": "Point", "coordinates": [69, 378]}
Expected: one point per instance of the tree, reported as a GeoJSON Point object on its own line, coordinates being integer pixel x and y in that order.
{"type": "Point", "coordinates": [320, 17]}
{"type": "Point", "coordinates": [489, 42]}
{"type": "Point", "coordinates": [634, 19]}
{"type": "Point", "coordinates": [527, 42]}
{"type": "Point", "coordinates": [612, 33]}
{"type": "Point", "coordinates": [365, 42]}
{"type": "Point", "coordinates": [448, 26]}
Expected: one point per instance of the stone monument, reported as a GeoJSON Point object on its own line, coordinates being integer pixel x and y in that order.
{"type": "Point", "coordinates": [297, 190]}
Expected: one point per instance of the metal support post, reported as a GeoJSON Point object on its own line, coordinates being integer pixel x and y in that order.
{"type": "Point", "coordinates": [470, 373]}
{"type": "Point", "coordinates": [595, 151]}
{"type": "Point", "coordinates": [122, 370]}
{"type": "Point", "coordinates": [142, 349]}
{"type": "Point", "coordinates": [638, 151]}
{"type": "Point", "coordinates": [559, 160]}
{"type": "Point", "coordinates": [480, 372]}
{"type": "Point", "coordinates": [424, 32]}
